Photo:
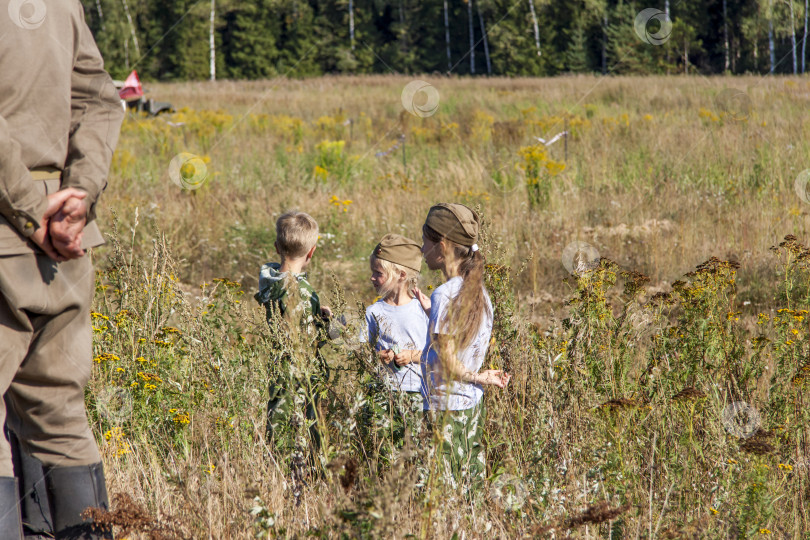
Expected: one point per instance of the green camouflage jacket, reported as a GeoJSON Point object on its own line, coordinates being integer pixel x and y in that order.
{"type": "Point", "coordinates": [274, 296]}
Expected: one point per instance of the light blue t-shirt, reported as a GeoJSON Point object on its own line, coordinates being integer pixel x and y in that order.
{"type": "Point", "coordinates": [454, 395]}
{"type": "Point", "coordinates": [402, 326]}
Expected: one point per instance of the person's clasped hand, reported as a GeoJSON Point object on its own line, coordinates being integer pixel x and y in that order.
{"type": "Point", "coordinates": [408, 356]}
{"type": "Point", "coordinates": [61, 226]}
{"type": "Point", "coordinates": [67, 227]}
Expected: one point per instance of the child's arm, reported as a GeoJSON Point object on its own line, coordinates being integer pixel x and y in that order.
{"type": "Point", "coordinates": [424, 300]}
{"type": "Point", "coordinates": [400, 357]}
{"type": "Point", "coordinates": [493, 377]}
{"type": "Point", "coordinates": [455, 370]}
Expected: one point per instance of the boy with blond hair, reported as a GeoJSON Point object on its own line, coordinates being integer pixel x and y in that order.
{"type": "Point", "coordinates": [295, 314]}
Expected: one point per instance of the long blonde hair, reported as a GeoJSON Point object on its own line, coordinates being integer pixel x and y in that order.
{"type": "Point", "coordinates": [469, 308]}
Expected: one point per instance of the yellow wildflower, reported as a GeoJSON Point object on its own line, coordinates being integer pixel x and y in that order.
{"type": "Point", "coordinates": [320, 173]}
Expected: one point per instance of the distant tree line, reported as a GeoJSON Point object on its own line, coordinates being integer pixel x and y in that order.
{"type": "Point", "coordinates": [237, 39]}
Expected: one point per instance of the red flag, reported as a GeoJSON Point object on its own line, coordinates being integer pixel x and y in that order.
{"type": "Point", "coordinates": [132, 88]}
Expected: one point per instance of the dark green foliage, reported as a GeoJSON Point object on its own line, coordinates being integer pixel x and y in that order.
{"type": "Point", "coordinates": [266, 38]}
{"type": "Point", "coordinates": [255, 27]}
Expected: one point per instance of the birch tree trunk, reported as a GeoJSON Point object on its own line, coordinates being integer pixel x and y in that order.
{"type": "Point", "coordinates": [804, 39]}
{"type": "Point", "coordinates": [100, 14]}
{"type": "Point", "coordinates": [131, 29]}
{"type": "Point", "coordinates": [351, 23]}
{"type": "Point", "coordinates": [771, 50]}
{"type": "Point", "coordinates": [793, 36]}
{"type": "Point", "coordinates": [403, 34]}
{"type": "Point", "coordinates": [447, 35]}
{"type": "Point", "coordinates": [486, 41]}
{"type": "Point", "coordinates": [536, 28]}
{"type": "Point", "coordinates": [604, 40]}
{"type": "Point", "coordinates": [472, 37]}
{"type": "Point", "coordinates": [666, 12]}
{"type": "Point", "coordinates": [725, 35]}
{"type": "Point", "coordinates": [211, 43]}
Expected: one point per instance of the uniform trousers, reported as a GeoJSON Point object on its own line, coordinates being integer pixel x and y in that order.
{"type": "Point", "coordinates": [46, 358]}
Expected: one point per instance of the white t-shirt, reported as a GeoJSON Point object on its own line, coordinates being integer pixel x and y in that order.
{"type": "Point", "coordinates": [455, 395]}
{"type": "Point", "coordinates": [402, 326]}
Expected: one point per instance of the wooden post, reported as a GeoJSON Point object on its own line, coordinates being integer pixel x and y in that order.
{"type": "Point", "coordinates": [404, 160]}
{"type": "Point", "coordinates": [565, 137]}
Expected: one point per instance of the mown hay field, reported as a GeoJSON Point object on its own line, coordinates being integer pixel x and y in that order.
{"type": "Point", "coordinates": [658, 393]}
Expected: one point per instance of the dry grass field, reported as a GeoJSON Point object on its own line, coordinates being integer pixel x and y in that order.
{"type": "Point", "coordinates": [654, 396]}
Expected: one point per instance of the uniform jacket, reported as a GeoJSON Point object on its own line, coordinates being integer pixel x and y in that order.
{"type": "Point", "coordinates": [58, 109]}
{"type": "Point", "coordinates": [293, 298]}
{"type": "Point", "coordinates": [273, 294]}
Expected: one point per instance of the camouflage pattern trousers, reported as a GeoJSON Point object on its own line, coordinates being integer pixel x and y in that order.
{"type": "Point", "coordinates": [460, 447]}
{"type": "Point", "coordinates": [292, 413]}
{"type": "Point", "coordinates": [410, 412]}
{"type": "Point", "coordinates": [392, 421]}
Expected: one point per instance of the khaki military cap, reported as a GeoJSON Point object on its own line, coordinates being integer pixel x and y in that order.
{"type": "Point", "coordinates": [399, 250]}
{"type": "Point", "coordinates": [455, 222]}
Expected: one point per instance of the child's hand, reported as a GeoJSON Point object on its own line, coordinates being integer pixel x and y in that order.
{"type": "Point", "coordinates": [493, 377]}
{"type": "Point", "coordinates": [424, 300]}
{"type": "Point", "coordinates": [386, 355]}
{"type": "Point", "coordinates": [326, 312]}
{"type": "Point", "coordinates": [408, 356]}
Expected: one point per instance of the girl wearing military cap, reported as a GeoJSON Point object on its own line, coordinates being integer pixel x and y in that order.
{"type": "Point", "coordinates": [397, 322]}
{"type": "Point", "coordinates": [460, 327]}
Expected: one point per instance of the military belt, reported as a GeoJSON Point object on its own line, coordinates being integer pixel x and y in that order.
{"type": "Point", "coordinates": [46, 173]}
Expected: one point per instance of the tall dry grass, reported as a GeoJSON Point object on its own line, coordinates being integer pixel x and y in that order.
{"type": "Point", "coordinates": [723, 187]}
{"type": "Point", "coordinates": [657, 177]}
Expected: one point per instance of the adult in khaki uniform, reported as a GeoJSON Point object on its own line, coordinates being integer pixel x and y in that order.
{"type": "Point", "coordinates": [59, 122]}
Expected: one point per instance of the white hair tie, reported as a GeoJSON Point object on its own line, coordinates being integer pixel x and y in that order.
{"type": "Point", "coordinates": [474, 247]}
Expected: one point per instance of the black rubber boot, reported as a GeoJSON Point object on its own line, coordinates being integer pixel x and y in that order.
{"type": "Point", "coordinates": [10, 527]}
{"type": "Point", "coordinates": [34, 510]}
{"type": "Point", "coordinates": [71, 490]}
